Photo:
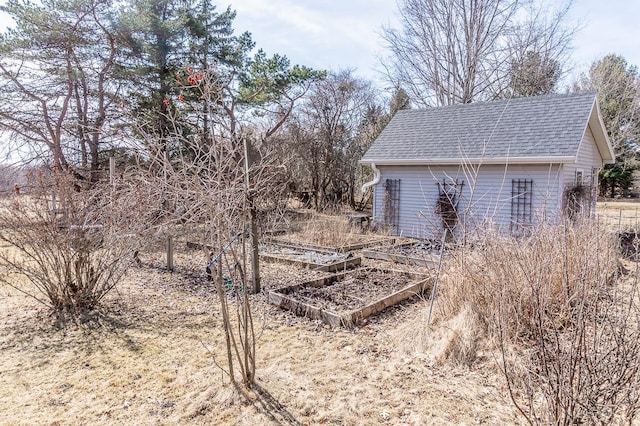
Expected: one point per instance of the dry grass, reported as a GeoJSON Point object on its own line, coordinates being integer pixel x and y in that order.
{"type": "Point", "coordinates": [619, 215]}
{"type": "Point", "coordinates": [551, 310]}
{"type": "Point", "coordinates": [502, 275]}
{"type": "Point", "coordinates": [327, 231]}
{"type": "Point", "coordinates": [487, 290]}
{"type": "Point", "coordinates": [149, 359]}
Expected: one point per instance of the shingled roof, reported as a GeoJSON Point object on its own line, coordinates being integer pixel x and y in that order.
{"type": "Point", "coordinates": [539, 129]}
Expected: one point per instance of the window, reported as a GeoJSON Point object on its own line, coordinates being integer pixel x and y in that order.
{"type": "Point", "coordinates": [521, 204]}
{"type": "Point", "coordinates": [579, 178]}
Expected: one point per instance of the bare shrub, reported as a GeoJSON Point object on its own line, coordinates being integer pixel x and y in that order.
{"type": "Point", "coordinates": [567, 331]}
{"type": "Point", "coordinates": [206, 188]}
{"type": "Point", "coordinates": [71, 246]}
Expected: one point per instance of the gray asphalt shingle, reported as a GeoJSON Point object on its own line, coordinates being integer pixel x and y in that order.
{"type": "Point", "coordinates": [540, 126]}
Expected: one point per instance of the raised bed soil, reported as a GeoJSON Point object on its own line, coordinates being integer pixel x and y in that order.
{"type": "Point", "coordinates": [349, 297]}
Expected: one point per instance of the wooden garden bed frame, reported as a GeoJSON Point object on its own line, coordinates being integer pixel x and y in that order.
{"type": "Point", "coordinates": [430, 261]}
{"type": "Point", "coordinates": [327, 249]}
{"type": "Point", "coordinates": [283, 298]}
{"type": "Point", "coordinates": [340, 265]}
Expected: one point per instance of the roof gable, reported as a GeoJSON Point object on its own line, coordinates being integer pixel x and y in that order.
{"type": "Point", "coordinates": [524, 130]}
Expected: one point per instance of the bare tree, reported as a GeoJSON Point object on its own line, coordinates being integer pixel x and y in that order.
{"type": "Point", "coordinates": [216, 180]}
{"type": "Point", "coordinates": [460, 51]}
{"type": "Point", "coordinates": [205, 188]}
{"type": "Point", "coordinates": [618, 86]}
{"type": "Point", "coordinates": [332, 130]}
{"type": "Point", "coordinates": [59, 73]}
{"type": "Point", "coordinates": [539, 48]}
{"type": "Point", "coordinates": [533, 75]}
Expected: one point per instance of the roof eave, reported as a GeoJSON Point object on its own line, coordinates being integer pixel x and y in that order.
{"type": "Point", "coordinates": [600, 134]}
{"type": "Point", "coordinates": [456, 161]}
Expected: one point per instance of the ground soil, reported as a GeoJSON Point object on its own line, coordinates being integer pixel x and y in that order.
{"type": "Point", "coordinates": [154, 356]}
{"type": "Point", "coordinates": [415, 250]}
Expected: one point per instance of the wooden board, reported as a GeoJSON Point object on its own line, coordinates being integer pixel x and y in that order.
{"type": "Point", "coordinates": [429, 262]}
{"type": "Point", "coordinates": [329, 267]}
{"type": "Point", "coordinates": [301, 247]}
{"type": "Point", "coordinates": [340, 249]}
{"type": "Point", "coordinates": [285, 298]}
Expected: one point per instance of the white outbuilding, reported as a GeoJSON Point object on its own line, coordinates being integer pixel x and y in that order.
{"type": "Point", "coordinates": [508, 164]}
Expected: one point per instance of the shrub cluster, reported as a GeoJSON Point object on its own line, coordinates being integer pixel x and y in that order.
{"type": "Point", "coordinates": [565, 321]}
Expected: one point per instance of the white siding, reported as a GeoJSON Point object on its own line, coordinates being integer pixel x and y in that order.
{"type": "Point", "coordinates": [486, 195]}
{"type": "Point", "coordinates": [588, 158]}
{"type": "Point", "coordinates": [589, 162]}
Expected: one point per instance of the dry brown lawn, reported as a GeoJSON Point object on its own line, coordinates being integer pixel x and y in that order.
{"type": "Point", "coordinates": [619, 215]}
{"type": "Point", "coordinates": [155, 356]}
{"type": "Point", "coordinates": [152, 358]}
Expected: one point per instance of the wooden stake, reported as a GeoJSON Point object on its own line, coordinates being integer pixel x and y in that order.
{"type": "Point", "coordinates": [112, 171]}
{"type": "Point", "coordinates": [170, 253]}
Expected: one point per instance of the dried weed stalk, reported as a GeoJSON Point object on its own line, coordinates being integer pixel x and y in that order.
{"type": "Point", "coordinates": [567, 329]}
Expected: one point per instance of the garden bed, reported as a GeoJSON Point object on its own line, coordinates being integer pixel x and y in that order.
{"type": "Point", "coordinates": [323, 260]}
{"type": "Point", "coordinates": [354, 242]}
{"type": "Point", "coordinates": [423, 253]}
{"type": "Point", "coordinates": [349, 297]}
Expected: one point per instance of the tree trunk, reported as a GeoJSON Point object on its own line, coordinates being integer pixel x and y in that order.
{"type": "Point", "coordinates": [255, 253]}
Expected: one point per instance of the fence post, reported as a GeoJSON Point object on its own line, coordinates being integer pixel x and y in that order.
{"type": "Point", "coordinates": [112, 171]}
{"type": "Point", "coordinates": [112, 177]}
{"type": "Point", "coordinates": [620, 221]}
{"type": "Point", "coordinates": [170, 253]}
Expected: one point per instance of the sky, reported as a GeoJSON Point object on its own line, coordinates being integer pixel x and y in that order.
{"type": "Point", "coordinates": [338, 34]}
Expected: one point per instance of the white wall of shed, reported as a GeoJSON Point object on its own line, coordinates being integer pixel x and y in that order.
{"type": "Point", "coordinates": [485, 201]}
{"type": "Point", "coordinates": [588, 158]}
{"type": "Point", "coordinates": [589, 161]}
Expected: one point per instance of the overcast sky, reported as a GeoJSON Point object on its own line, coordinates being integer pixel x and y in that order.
{"type": "Point", "coordinates": [336, 34]}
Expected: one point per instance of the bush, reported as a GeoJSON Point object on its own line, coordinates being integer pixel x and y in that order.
{"type": "Point", "coordinates": [70, 253]}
